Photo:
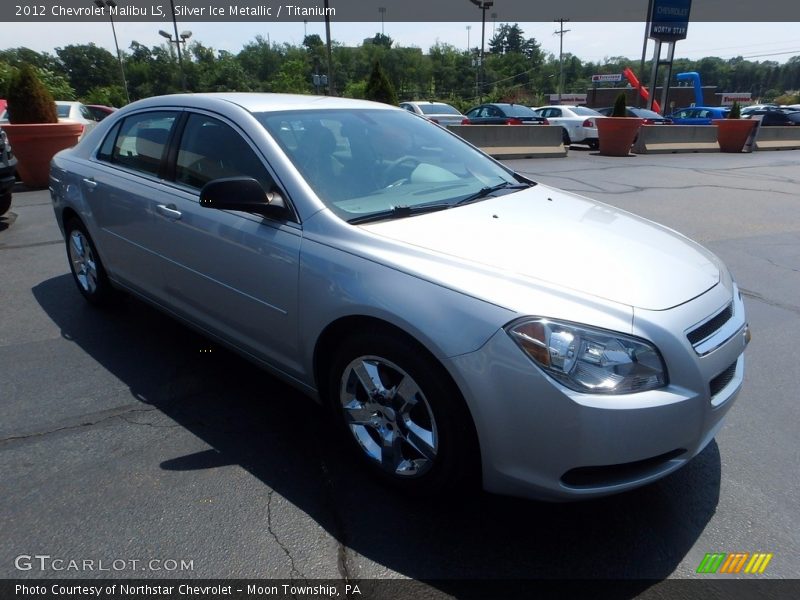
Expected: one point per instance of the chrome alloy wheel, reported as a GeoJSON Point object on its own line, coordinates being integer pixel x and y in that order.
{"type": "Point", "coordinates": [83, 261]}
{"type": "Point", "coordinates": [389, 416]}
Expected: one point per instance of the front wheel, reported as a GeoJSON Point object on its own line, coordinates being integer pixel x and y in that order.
{"type": "Point", "coordinates": [401, 414]}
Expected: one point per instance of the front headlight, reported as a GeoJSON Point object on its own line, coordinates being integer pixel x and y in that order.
{"type": "Point", "coordinates": [590, 360]}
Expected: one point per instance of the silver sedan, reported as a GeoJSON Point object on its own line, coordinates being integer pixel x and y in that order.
{"type": "Point", "coordinates": [462, 323]}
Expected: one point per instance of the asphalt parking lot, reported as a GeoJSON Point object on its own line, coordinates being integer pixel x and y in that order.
{"type": "Point", "coordinates": [125, 436]}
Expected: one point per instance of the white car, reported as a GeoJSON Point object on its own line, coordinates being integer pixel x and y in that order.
{"type": "Point", "coordinates": [438, 112]}
{"type": "Point", "coordinates": [70, 112]}
{"type": "Point", "coordinates": [76, 112]}
{"type": "Point", "coordinates": [579, 123]}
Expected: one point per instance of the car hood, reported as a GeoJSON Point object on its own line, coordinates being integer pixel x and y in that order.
{"type": "Point", "coordinates": [546, 235]}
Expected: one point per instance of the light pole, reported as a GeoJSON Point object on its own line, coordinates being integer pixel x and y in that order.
{"type": "Point", "coordinates": [484, 6]}
{"type": "Point", "coordinates": [382, 10]}
{"type": "Point", "coordinates": [111, 4]}
{"type": "Point", "coordinates": [561, 31]}
{"type": "Point", "coordinates": [468, 29]}
{"type": "Point", "coordinates": [328, 52]}
{"type": "Point", "coordinates": [179, 39]}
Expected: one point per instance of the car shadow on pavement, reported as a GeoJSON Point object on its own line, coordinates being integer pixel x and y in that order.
{"type": "Point", "coordinates": [251, 419]}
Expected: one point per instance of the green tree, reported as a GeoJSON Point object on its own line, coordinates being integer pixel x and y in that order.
{"type": "Point", "coordinates": [379, 88]}
{"type": "Point", "coordinates": [89, 66]}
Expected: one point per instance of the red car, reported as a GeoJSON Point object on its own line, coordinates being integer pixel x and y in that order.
{"type": "Point", "coordinates": [99, 111]}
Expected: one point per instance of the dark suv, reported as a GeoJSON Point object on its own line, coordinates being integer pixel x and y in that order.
{"type": "Point", "coordinates": [8, 170]}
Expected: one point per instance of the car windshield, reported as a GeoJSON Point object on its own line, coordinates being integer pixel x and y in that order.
{"type": "Point", "coordinates": [438, 109]}
{"type": "Point", "coordinates": [368, 162]}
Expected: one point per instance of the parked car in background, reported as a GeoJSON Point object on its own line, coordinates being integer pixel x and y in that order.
{"type": "Point", "coordinates": [438, 112]}
{"type": "Point", "coordinates": [8, 171]}
{"type": "Point", "coordinates": [650, 117]}
{"type": "Point", "coordinates": [99, 111]}
{"type": "Point", "coordinates": [699, 115]}
{"type": "Point", "coordinates": [503, 114]}
{"type": "Point", "coordinates": [76, 112]}
{"type": "Point", "coordinates": [580, 126]}
{"type": "Point", "coordinates": [776, 117]}
{"type": "Point", "coordinates": [393, 272]}
{"type": "Point", "coordinates": [70, 111]}
{"type": "Point", "coordinates": [748, 109]}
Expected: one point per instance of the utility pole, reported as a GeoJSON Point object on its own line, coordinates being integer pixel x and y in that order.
{"type": "Point", "coordinates": [561, 31]}
{"type": "Point", "coordinates": [331, 78]}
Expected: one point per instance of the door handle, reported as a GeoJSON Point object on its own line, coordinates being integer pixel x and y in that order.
{"type": "Point", "coordinates": [90, 182]}
{"type": "Point", "coordinates": [169, 211]}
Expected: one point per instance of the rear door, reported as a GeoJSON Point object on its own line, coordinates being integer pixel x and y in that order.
{"type": "Point", "coordinates": [122, 190]}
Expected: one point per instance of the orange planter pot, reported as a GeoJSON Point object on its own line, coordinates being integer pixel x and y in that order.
{"type": "Point", "coordinates": [617, 135]}
{"type": "Point", "coordinates": [36, 144]}
{"type": "Point", "coordinates": [733, 133]}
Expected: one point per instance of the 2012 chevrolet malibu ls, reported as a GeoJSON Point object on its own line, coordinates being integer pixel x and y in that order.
{"type": "Point", "coordinates": [462, 322]}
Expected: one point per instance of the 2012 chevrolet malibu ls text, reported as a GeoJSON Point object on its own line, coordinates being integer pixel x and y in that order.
{"type": "Point", "coordinates": [462, 322]}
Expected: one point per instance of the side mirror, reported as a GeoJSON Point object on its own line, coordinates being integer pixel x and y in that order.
{"type": "Point", "coordinates": [245, 194]}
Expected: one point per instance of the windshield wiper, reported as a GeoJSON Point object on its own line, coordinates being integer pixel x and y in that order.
{"type": "Point", "coordinates": [397, 212]}
{"type": "Point", "coordinates": [489, 190]}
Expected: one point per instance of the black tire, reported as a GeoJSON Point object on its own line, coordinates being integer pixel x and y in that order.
{"type": "Point", "coordinates": [85, 265]}
{"type": "Point", "coordinates": [565, 137]}
{"type": "Point", "coordinates": [594, 144]}
{"type": "Point", "coordinates": [5, 203]}
{"type": "Point", "coordinates": [409, 458]}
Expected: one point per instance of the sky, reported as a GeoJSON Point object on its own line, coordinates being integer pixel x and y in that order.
{"type": "Point", "coordinates": [588, 41]}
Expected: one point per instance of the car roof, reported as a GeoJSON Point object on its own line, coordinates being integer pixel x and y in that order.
{"type": "Point", "coordinates": [434, 102]}
{"type": "Point", "coordinates": [259, 102]}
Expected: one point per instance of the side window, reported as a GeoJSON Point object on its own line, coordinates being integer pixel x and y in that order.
{"type": "Point", "coordinates": [139, 143]}
{"type": "Point", "coordinates": [86, 113]}
{"type": "Point", "coordinates": [408, 107]}
{"type": "Point", "coordinates": [555, 112]}
{"type": "Point", "coordinates": [491, 111]}
{"type": "Point", "coordinates": [107, 149]}
{"type": "Point", "coordinates": [210, 149]}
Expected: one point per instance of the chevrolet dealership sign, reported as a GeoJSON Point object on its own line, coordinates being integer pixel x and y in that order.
{"type": "Point", "coordinates": [669, 20]}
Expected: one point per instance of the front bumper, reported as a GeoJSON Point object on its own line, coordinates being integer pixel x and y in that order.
{"type": "Point", "coordinates": [541, 440]}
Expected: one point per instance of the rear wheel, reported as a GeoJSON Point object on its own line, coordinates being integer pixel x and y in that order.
{"type": "Point", "coordinates": [594, 144]}
{"type": "Point", "coordinates": [565, 137]}
{"type": "Point", "coordinates": [401, 415]}
{"type": "Point", "coordinates": [85, 264]}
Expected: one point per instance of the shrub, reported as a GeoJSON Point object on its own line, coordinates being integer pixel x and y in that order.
{"type": "Point", "coordinates": [736, 111]}
{"type": "Point", "coordinates": [619, 106]}
{"type": "Point", "coordinates": [28, 99]}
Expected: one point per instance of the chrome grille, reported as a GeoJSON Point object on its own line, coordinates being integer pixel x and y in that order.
{"type": "Point", "coordinates": [710, 327]}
